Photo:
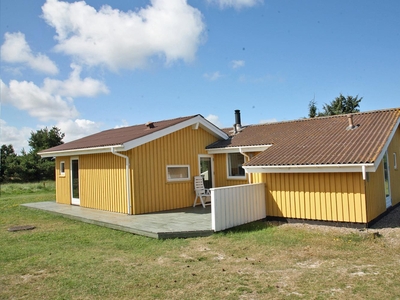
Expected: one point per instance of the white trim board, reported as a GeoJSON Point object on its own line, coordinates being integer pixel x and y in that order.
{"type": "Point", "coordinates": [258, 148]}
{"type": "Point", "coordinates": [353, 168]}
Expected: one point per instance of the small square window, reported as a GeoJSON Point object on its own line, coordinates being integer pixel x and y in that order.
{"type": "Point", "coordinates": [62, 168]}
{"type": "Point", "coordinates": [178, 173]}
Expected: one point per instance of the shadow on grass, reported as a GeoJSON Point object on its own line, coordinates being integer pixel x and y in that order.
{"type": "Point", "coordinates": [249, 227]}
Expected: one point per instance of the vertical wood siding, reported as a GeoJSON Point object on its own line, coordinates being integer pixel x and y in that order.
{"type": "Point", "coordinates": [336, 197]}
{"type": "Point", "coordinates": [394, 147]}
{"type": "Point", "coordinates": [375, 193]}
{"type": "Point", "coordinates": [102, 182]}
{"type": "Point", "coordinates": [151, 190]}
{"type": "Point", "coordinates": [63, 187]}
{"type": "Point", "coordinates": [375, 186]}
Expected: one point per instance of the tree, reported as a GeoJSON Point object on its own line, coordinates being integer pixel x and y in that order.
{"type": "Point", "coordinates": [32, 166]}
{"type": "Point", "coordinates": [7, 156]}
{"type": "Point", "coordinates": [341, 105]}
{"type": "Point", "coordinates": [44, 139]}
{"type": "Point", "coordinates": [312, 109]}
{"type": "Point", "coordinates": [29, 166]}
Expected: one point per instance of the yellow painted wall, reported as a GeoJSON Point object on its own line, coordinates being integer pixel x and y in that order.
{"type": "Point", "coordinates": [375, 186]}
{"type": "Point", "coordinates": [375, 193]}
{"type": "Point", "coordinates": [394, 147]}
{"type": "Point", "coordinates": [102, 182]}
{"type": "Point", "coordinates": [336, 197]}
{"type": "Point", "coordinates": [63, 187]}
{"type": "Point", "coordinates": [151, 190]}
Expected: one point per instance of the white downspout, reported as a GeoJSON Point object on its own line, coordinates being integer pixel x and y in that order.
{"type": "Point", "coordinates": [364, 172]}
{"type": "Point", "coordinates": [248, 158]}
{"type": "Point", "coordinates": [128, 179]}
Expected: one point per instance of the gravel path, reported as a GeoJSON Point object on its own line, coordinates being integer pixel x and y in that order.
{"type": "Point", "coordinates": [391, 220]}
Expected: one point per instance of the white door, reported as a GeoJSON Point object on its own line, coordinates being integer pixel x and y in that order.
{"type": "Point", "coordinates": [75, 181]}
{"type": "Point", "coordinates": [387, 180]}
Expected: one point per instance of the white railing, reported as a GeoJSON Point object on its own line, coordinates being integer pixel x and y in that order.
{"type": "Point", "coordinates": [236, 205]}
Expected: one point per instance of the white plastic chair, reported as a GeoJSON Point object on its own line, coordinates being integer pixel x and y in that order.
{"type": "Point", "coordinates": [201, 191]}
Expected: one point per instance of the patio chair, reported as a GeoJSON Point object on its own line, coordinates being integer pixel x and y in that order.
{"type": "Point", "coordinates": [201, 191]}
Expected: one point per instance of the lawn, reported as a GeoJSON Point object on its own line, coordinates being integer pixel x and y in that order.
{"type": "Point", "coordinates": [66, 259]}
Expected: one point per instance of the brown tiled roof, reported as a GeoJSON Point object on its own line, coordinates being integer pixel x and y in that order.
{"type": "Point", "coordinates": [318, 141]}
{"type": "Point", "coordinates": [118, 136]}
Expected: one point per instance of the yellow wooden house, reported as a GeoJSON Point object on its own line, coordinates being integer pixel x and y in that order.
{"type": "Point", "coordinates": [335, 169]}
{"type": "Point", "coordinates": [341, 168]}
{"type": "Point", "coordinates": [137, 169]}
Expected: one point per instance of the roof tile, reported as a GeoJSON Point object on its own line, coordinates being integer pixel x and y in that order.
{"type": "Point", "coordinates": [318, 141]}
{"type": "Point", "coordinates": [118, 136]}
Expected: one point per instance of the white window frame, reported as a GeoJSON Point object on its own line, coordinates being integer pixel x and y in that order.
{"type": "Point", "coordinates": [394, 160]}
{"type": "Point", "coordinates": [178, 179]}
{"type": "Point", "coordinates": [62, 168]}
{"type": "Point", "coordinates": [228, 169]}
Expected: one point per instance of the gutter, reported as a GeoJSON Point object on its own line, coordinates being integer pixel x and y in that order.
{"type": "Point", "coordinates": [314, 169]}
{"type": "Point", "coordinates": [248, 159]}
{"type": "Point", "coordinates": [71, 152]}
{"type": "Point", "coordinates": [128, 179]}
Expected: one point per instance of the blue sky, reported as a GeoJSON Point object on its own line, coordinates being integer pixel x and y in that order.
{"type": "Point", "coordinates": [94, 65]}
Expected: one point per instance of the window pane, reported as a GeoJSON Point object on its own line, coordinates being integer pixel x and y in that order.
{"type": "Point", "coordinates": [178, 172]}
{"type": "Point", "coordinates": [236, 160]}
{"type": "Point", "coordinates": [386, 173]}
{"type": "Point", "coordinates": [62, 168]}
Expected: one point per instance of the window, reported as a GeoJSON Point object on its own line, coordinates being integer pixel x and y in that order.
{"type": "Point", "coordinates": [394, 161]}
{"type": "Point", "coordinates": [62, 168]}
{"type": "Point", "coordinates": [235, 162]}
{"type": "Point", "coordinates": [178, 173]}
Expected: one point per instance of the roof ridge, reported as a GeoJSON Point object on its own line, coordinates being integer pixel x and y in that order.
{"type": "Point", "coordinates": [158, 121]}
{"type": "Point", "coordinates": [326, 117]}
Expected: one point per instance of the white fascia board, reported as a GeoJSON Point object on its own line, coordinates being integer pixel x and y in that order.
{"type": "Point", "coordinates": [259, 148]}
{"type": "Point", "coordinates": [386, 146]}
{"type": "Point", "coordinates": [211, 128]}
{"type": "Point", "coordinates": [75, 152]}
{"type": "Point", "coordinates": [158, 134]}
{"type": "Point", "coordinates": [338, 168]}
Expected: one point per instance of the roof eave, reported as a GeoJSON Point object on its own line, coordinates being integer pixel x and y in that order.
{"type": "Point", "coordinates": [82, 151]}
{"type": "Point", "coordinates": [386, 145]}
{"type": "Point", "coordinates": [328, 168]}
{"type": "Point", "coordinates": [238, 149]}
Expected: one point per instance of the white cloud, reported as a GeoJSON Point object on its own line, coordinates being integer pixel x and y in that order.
{"type": "Point", "coordinates": [16, 50]}
{"type": "Point", "coordinates": [37, 102]}
{"type": "Point", "coordinates": [212, 76]}
{"type": "Point", "coordinates": [18, 137]}
{"type": "Point", "coordinates": [237, 64]}
{"type": "Point", "coordinates": [79, 128]}
{"type": "Point", "coordinates": [236, 4]}
{"type": "Point", "coordinates": [74, 86]}
{"type": "Point", "coordinates": [215, 120]}
{"type": "Point", "coordinates": [124, 124]}
{"type": "Point", "coordinates": [116, 39]}
{"type": "Point", "coordinates": [52, 101]}
{"type": "Point", "coordinates": [267, 121]}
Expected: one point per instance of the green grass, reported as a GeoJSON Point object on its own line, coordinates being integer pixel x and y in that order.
{"type": "Point", "coordinates": [26, 188]}
{"type": "Point", "coordinates": [66, 259]}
